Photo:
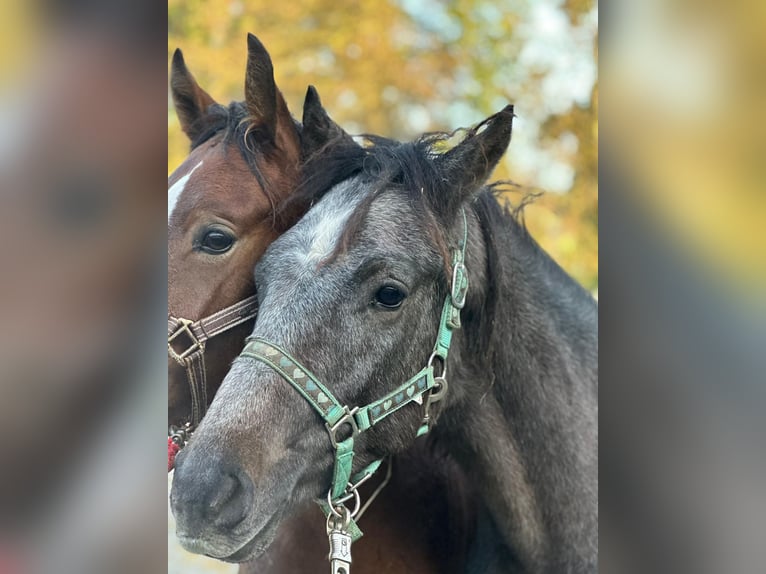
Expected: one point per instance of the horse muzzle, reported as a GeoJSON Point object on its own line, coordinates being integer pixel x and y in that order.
{"type": "Point", "coordinates": [212, 503]}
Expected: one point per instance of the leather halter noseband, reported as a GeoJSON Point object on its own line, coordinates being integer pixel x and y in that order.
{"type": "Point", "coordinates": [186, 345]}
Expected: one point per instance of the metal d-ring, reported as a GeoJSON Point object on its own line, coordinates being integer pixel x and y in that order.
{"type": "Point", "coordinates": [348, 514]}
{"type": "Point", "coordinates": [439, 389]}
{"type": "Point", "coordinates": [443, 362]}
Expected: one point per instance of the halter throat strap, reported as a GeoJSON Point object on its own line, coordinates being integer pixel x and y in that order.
{"type": "Point", "coordinates": [344, 423]}
{"type": "Point", "coordinates": [186, 346]}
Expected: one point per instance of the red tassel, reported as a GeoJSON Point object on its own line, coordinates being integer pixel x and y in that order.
{"type": "Point", "coordinates": [173, 449]}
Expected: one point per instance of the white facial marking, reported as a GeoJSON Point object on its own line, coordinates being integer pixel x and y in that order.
{"type": "Point", "coordinates": [294, 259]}
{"type": "Point", "coordinates": [175, 190]}
{"type": "Point", "coordinates": [324, 224]}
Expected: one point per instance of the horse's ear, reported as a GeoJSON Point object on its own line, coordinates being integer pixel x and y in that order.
{"type": "Point", "coordinates": [191, 101]}
{"type": "Point", "coordinates": [319, 129]}
{"type": "Point", "coordinates": [469, 164]}
{"type": "Point", "coordinates": [260, 88]}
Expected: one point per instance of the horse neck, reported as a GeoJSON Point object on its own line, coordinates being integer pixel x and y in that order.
{"type": "Point", "coordinates": [522, 420]}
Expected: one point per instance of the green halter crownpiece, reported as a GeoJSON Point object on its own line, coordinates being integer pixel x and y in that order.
{"type": "Point", "coordinates": [336, 416]}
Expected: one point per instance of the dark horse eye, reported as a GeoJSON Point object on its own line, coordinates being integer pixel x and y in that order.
{"type": "Point", "coordinates": [389, 297]}
{"type": "Point", "coordinates": [216, 241]}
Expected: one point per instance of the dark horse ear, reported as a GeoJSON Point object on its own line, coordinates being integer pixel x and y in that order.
{"type": "Point", "coordinates": [191, 101]}
{"type": "Point", "coordinates": [468, 165]}
{"type": "Point", "coordinates": [260, 88]}
{"type": "Point", "coordinates": [319, 129]}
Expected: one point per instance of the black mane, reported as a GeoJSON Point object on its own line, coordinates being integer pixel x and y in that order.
{"type": "Point", "coordinates": [407, 167]}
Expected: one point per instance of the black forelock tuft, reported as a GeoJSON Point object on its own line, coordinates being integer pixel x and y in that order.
{"type": "Point", "coordinates": [386, 164]}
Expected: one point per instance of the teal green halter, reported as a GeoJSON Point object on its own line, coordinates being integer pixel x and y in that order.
{"type": "Point", "coordinates": [423, 387]}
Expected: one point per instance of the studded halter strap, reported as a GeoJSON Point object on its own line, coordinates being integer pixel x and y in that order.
{"type": "Point", "coordinates": [186, 345]}
{"type": "Point", "coordinates": [424, 388]}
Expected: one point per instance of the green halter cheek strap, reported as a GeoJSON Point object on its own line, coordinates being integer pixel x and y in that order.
{"type": "Point", "coordinates": [419, 388]}
{"type": "Point", "coordinates": [324, 402]}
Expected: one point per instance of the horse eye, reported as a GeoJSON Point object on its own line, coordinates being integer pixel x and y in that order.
{"type": "Point", "coordinates": [389, 297]}
{"type": "Point", "coordinates": [216, 242]}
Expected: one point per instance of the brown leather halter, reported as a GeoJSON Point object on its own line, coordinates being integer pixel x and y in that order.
{"type": "Point", "coordinates": [190, 337]}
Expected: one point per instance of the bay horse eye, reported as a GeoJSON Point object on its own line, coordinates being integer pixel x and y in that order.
{"type": "Point", "coordinates": [216, 242]}
{"type": "Point", "coordinates": [389, 297]}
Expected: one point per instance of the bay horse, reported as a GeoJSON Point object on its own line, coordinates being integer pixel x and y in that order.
{"type": "Point", "coordinates": [228, 201]}
{"type": "Point", "coordinates": [406, 246]}
{"type": "Point", "coordinates": [244, 160]}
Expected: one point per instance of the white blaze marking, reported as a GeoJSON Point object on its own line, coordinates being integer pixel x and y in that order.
{"type": "Point", "coordinates": [324, 224]}
{"type": "Point", "coordinates": [293, 259]}
{"type": "Point", "coordinates": [175, 190]}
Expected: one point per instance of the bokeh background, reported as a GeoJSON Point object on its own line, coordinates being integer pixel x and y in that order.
{"type": "Point", "coordinates": [84, 127]}
{"type": "Point", "coordinates": [402, 67]}
{"type": "Point", "coordinates": [83, 276]}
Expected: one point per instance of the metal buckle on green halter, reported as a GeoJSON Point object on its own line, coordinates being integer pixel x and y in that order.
{"type": "Point", "coordinates": [459, 283]}
{"type": "Point", "coordinates": [424, 388]}
{"type": "Point", "coordinates": [346, 419]}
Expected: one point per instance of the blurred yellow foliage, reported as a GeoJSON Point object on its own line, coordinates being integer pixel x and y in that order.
{"type": "Point", "coordinates": [687, 85]}
{"type": "Point", "coordinates": [18, 35]}
{"type": "Point", "coordinates": [399, 69]}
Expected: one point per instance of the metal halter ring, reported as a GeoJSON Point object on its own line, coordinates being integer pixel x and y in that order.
{"type": "Point", "coordinates": [443, 362]}
{"type": "Point", "coordinates": [435, 395]}
{"type": "Point", "coordinates": [439, 390]}
{"type": "Point", "coordinates": [184, 329]}
{"type": "Point", "coordinates": [347, 515]}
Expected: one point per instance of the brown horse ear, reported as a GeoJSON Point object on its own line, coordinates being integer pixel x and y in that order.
{"type": "Point", "coordinates": [319, 129]}
{"type": "Point", "coordinates": [191, 101]}
{"type": "Point", "coordinates": [469, 164]}
{"type": "Point", "coordinates": [260, 88]}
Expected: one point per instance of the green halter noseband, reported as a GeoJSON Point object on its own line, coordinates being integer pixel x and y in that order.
{"type": "Point", "coordinates": [422, 388]}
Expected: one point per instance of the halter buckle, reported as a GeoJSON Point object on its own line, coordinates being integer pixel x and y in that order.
{"type": "Point", "coordinates": [347, 418]}
{"type": "Point", "coordinates": [193, 344]}
{"type": "Point", "coordinates": [459, 285]}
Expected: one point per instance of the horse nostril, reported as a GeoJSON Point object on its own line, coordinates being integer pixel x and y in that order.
{"type": "Point", "coordinates": [209, 495]}
{"type": "Point", "coordinates": [226, 490]}
{"type": "Point", "coordinates": [232, 500]}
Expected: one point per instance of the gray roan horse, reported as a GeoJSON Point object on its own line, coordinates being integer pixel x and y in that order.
{"type": "Point", "coordinates": [354, 292]}
{"type": "Point", "coordinates": [245, 160]}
